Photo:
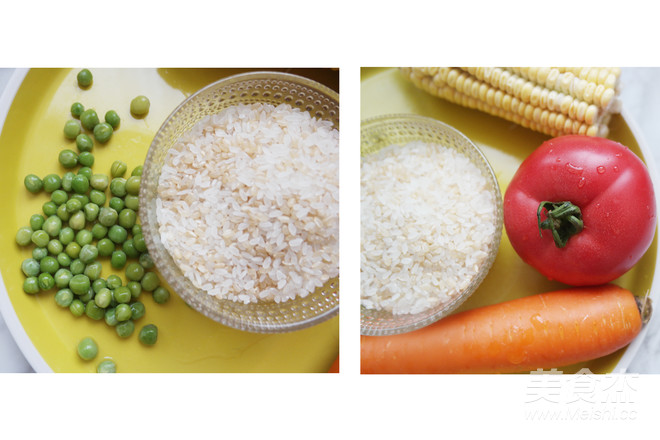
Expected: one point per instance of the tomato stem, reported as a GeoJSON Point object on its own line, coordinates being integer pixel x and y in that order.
{"type": "Point", "coordinates": [564, 220]}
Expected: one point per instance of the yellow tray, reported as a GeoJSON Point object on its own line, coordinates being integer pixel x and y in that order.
{"type": "Point", "coordinates": [505, 145]}
{"type": "Point", "coordinates": [47, 334]}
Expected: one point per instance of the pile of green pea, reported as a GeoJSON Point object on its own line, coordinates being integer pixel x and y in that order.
{"type": "Point", "coordinates": [82, 225]}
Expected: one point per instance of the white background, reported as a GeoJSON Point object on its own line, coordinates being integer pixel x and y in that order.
{"type": "Point", "coordinates": [329, 34]}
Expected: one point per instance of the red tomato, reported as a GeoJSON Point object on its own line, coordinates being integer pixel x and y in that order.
{"type": "Point", "coordinates": [613, 191]}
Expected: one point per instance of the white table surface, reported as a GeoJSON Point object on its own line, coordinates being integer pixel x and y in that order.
{"type": "Point", "coordinates": [641, 100]}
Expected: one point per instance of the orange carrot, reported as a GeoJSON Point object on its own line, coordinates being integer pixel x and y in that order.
{"type": "Point", "coordinates": [541, 331]}
{"type": "Point", "coordinates": [334, 368]}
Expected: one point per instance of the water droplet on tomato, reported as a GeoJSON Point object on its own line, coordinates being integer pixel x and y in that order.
{"type": "Point", "coordinates": [582, 182]}
{"type": "Point", "coordinates": [618, 154]}
{"type": "Point", "coordinates": [573, 169]}
{"type": "Point", "coordinates": [600, 169]}
{"type": "Point", "coordinates": [559, 159]}
{"type": "Point", "coordinates": [615, 168]}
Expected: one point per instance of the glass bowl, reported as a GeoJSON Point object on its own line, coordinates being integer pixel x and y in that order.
{"type": "Point", "coordinates": [257, 87]}
{"type": "Point", "coordinates": [382, 131]}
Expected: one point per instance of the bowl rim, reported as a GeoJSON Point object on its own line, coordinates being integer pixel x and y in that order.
{"type": "Point", "coordinates": [229, 321]}
{"type": "Point", "coordinates": [496, 241]}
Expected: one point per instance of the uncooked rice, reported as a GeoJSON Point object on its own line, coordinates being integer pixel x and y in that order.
{"type": "Point", "coordinates": [427, 218]}
{"type": "Point", "coordinates": [248, 203]}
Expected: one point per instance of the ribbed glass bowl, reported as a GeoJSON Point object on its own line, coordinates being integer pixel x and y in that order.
{"type": "Point", "coordinates": [383, 131]}
{"type": "Point", "coordinates": [257, 87]}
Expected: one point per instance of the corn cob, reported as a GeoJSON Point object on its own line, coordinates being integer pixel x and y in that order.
{"type": "Point", "coordinates": [522, 95]}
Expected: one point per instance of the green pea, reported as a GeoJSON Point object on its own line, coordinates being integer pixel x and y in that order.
{"type": "Point", "coordinates": [62, 213]}
{"type": "Point", "coordinates": [117, 234]}
{"type": "Point", "coordinates": [149, 334]}
{"type": "Point", "coordinates": [52, 182]}
{"type": "Point", "coordinates": [132, 202]}
{"type": "Point", "coordinates": [80, 184]}
{"type": "Point", "coordinates": [86, 159]}
{"type": "Point", "coordinates": [52, 225]}
{"type": "Point", "coordinates": [77, 308]}
{"type": "Point", "coordinates": [108, 216]}
{"type": "Point", "coordinates": [137, 229]}
{"type": "Point", "coordinates": [91, 212]}
{"type": "Point", "coordinates": [137, 310]}
{"type": "Point", "coordinates": [133, 185]}
{"type": "Point", "coordinates": [97, 197]}
{"type": "Point", "coordinates": [99, 182]}
{"type": "Point", "coordinates": [140, 245]}
{"type": "Point", "coordinates": [106, 366]}
{"type": "Point", "coordinates": [67, 179]}
{"type": "Point", "coordinates": [59, 197]}
{"type": "Point", "coordinates": [77, 109]}
{"type": "Point", "coordinates": [118, 186]}
{"type": "Point", "coordinates": [118, 259]}
{"type": "Point", "coordinates": [125, 329]}
{"type": "Point", "coordinates": [46, 281]}
{"type": "Point", "coordinates": [33, 183]}
{"type": "Point", "coordinates": [103, 298]}
{"type": "Point", "coordinates": [63, 259]}
{"type": "Point", "coordinates": [39, 238]}
{"type": "Point", "coordinates": [49, 265]}
{"type": "Point", "coordinates": [79, 284]}
{"type": "Point", "coordinates": [64, 298]}
{"type": "Point", "coordinates": [84, 237]}
{"type": "Point", "coordinates": [129, 249]}
{"type": "Point", "coordinates": [140, 105]}
{"type": "Point", "coordinates": [84, 142]}
{"type": "Point", "coordinates": [73, 249]}
{"type": "Point", "coordinates": [135, 288]}
{"type": "Point", "coordinates": [39, 253]}
{"type": "Point", "coordinates": [103, 132]}
{"type": "Point", "coordinates": [93, 270]}
{"type": "Point", "coordinates": [49, 208]}
{"type": "Point", "coordinates": [36, 222]}
{"type": "Point", "coordinates": [55, 247]}
{"type": "Point", "coordinates": [30, 267]}
{"type": "Point", "coordinates": [71, 129]}
{"type": "Point", "coordinates": [62, 278]}
{"type": "Point", "coordinates": [134, 271]}
{"type": "Point", "coordinates": [85, 171]}
{"type": "Point", "coordinates": [87, 297]}
{"type": "Point", "coordinates": [112, 118]}
{"type": "Point", "coordinates": [127, 218]}
{"type": "Point", "coordinates": [25, 235]}
{"type": "Point", "coordinates": [123, 312]}
{"type": "Point", "coordinates": [88, 253]}
{"type": "Point", "coordinates": [150, 281]}
{"type": "Point", "coordinates": [113, 282]}
{"type": "Point", "coordinates": [99, 284]}
{"type": "Point", "coordinates": [111, 317]}
{"type": "Point", "coordinates": [68, 158]}
{"type": "Point", "coordinates": [67, 235]}
{"type": "Point", "coordinates": [93, 311]}
{"type": "Point", "coordinates": [99, 231]}
{"type": "Point", "coordinates": [106, 247]}
{"type": "Point", "coordinates": [118, 168]}
{"type": "Point", "coordinates": [84, 78]}
{"type": "Point", "coordinates": [31, 285]}
{"type": "Point", "coordinates": [122, 295]}
{"type": "Point", "coordinates": [89, 119]}
{"type": "Point", "coordinates": [116, 203]}
{"type": "Point", "coordinates": [77, 221]}
{"type": "Point", "coordinates": [81, 197]}
{"type": "Point", "coordinates": [137, 171]}
{"type": "Point", "coordinates": [77, 267]}
{"type": "Point", "coordinates": [73, 206]}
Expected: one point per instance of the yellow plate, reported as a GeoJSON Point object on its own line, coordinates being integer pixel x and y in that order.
{"type": "Point", "coordinates": [47, 334]}
{"type": "Point", "coordinates": [505, 145]}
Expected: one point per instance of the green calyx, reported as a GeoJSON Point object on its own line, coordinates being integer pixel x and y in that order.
{"type": "Point", "coordinates": [563, 219]}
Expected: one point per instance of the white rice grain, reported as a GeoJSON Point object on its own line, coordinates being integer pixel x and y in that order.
{"type": "Point", "coordinates": [248, 203]}
{"type": "Point", "coordinates": [427, 218]}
